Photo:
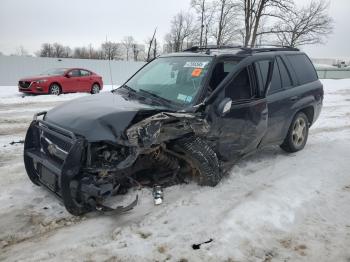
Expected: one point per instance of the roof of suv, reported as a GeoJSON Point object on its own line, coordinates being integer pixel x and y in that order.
{"type": "Point", "coordinates": [213, 50]}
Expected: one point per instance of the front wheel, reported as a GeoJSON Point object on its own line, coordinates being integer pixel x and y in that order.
{"type": "Point", "coordinates": [95, 89]}
{"type": "Point", "coordinates": [297, 134]}
{"type": "Point", "coordinates": [203, 159]}
{"type": "Point", "coordinates": [55, 89]}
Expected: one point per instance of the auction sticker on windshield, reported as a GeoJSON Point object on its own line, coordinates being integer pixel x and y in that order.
{"type": "Point", "coordinates": [196, 64]}
{"type": "Point", "coordinates": [196, 72]}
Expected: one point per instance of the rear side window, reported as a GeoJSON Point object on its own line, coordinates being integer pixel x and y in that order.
{"type": "Point", "coordinates": [276, 79]}
{"type": "Point", "coordinates": [303, 68]}
{"type": "Point", "coordinates": [285, 77]}
{"type": "Point", "coordinates": [262, 72]}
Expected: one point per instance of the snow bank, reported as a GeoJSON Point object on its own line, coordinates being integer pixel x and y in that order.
{"type": "Point", "coordinates": [10, 95]}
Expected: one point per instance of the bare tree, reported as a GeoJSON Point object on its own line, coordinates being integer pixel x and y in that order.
{"type": "Point", "coordinates": [255, 11]}
{"type": "Point", "coordinates": [127, 43]}
{"type": "Point", "coordinates": [307, 25]}
{"type": "Point", "coordinates": [169, 44]}
{"type": "Point", "coordinates": [136, 51]}
{"type": "Point", "coordinates": [181, 29]}
{"type": "Point", "coordinates": [58, 50]}
{"type": "Point", "coordinates": [61, 51]}
{"type": "Point", "coordinates": [111, 50]}
{"type": "Point", "coordinates": [150, 44]}
{"type": "Point", "coordinates": [205, 9]}
{"type": "Point", "coordinates": [81, 53]}
{"type": "Point", "coordinates": [201, 8]}
{"type": "Point", "coordinates": [227, 26]}
{"type": "Point", "coordinates": [208, 23]}
{"type": "Point", "coordinates": [46, 50]}
{"type": "Point", "coordinates": [92, 53]}
{"type": "Point", "coordinates": [54, 50]}
{"type": "Point", "coordinates": [21, 51]}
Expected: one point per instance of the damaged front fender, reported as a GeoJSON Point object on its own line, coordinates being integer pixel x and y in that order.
{"type": "Point", "coordinates": [165, 126]}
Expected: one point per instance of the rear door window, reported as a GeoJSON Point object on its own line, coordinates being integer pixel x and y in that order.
{"type": "Point", "coordinates": [74, 73]}
{"type": "Point", "coordinates": [303, 68]}
{"type": "Point", "coordinates": [85, 73]}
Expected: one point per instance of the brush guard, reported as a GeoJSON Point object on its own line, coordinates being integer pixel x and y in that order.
{"type": "Point", "coordinates": [52, 158]}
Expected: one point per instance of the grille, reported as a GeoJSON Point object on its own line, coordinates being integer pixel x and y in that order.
{"type": "Point", "coordinates": [61, 144]}
{"type": "Point", "coordinates": [58, 142]}
{"type": "Point", "coordinates": [24, 84]}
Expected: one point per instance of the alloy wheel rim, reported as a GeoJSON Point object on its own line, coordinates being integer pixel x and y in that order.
{"type": "Point", "coordinates": [55, 90]}
{"type": "Point", "coordinates": [95, 89]}
{"type": "Point", "coordinates": [299, 131]}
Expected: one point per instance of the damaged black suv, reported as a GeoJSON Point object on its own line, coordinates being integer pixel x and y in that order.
{"type": "Point", "coordinates": [182, 116]}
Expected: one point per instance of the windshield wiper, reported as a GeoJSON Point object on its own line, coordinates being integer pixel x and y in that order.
{"type": "Point", "coordinates": [129, 88]}
{"type": "Point", "coordinates": [125, 87]}
{"type": "Point", "coordinates": [155, 95]}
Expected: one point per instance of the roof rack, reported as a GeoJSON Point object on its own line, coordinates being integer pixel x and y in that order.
{"type": "Point", "coordinates": [242, 50]}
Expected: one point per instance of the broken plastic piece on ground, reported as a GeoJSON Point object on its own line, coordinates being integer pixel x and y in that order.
{"type": "Point", "coordinates": [17, 142]}
{"type": "Point", "coordinates": [116, 211]}
{"type": "Point", "coordinates": [158, 194]}
{"type": "Point", "coordinates": [198, 246]}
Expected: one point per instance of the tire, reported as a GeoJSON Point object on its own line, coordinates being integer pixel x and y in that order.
{"type": "Point", "coordinates": [297, 134]}
{"type": "Point", "coordinates": [203, 158]}
{"type": "Point", "coordinates": [95, 89]}
{"type": "Point", "coordinates": [55, 89]}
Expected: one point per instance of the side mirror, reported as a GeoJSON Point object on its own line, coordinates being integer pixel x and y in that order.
{"type": "Point", "coordinates": [67, 75]}
{"type": "Point", "coordinates": [224, 106]}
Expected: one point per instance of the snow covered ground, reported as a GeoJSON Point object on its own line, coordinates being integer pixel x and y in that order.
{"type": "Point", "coordinates": [272, 207]}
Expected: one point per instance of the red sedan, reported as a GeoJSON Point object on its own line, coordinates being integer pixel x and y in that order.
{"type": "Point", "coordinates": [62, 80]}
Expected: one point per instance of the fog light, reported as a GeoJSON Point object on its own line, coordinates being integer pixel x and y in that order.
{"type": "Point", "coordinates": [39, 88]}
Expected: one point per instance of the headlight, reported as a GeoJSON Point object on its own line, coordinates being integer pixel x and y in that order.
{"type": "Point", "coordinates": [41, 81]}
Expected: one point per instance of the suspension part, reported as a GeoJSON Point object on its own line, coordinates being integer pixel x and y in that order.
{"type": "Point", "coordinates": [166, 159]}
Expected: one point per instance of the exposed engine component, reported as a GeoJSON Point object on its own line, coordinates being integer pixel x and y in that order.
{"type": "Point", "coordinates": [166, 159]}
{"type": "Point", "coordinates": [107, 154]}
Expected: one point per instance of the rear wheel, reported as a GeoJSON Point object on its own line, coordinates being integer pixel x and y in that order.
{"type": "Point", "coordinates": [297, 134]}
{"type": "Point", "coordinates": [95, 89]}
{"type": "Point", "coordinates": [55, 89]}
{"type": "Point", "coordinates": [203, 159]}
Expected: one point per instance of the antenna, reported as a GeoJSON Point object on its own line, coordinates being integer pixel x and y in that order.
{"type": "Point", "coordinates": [109, 65]}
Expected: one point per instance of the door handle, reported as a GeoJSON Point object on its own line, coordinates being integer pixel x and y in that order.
{"type": "Point", "coordinates": [294, 98]}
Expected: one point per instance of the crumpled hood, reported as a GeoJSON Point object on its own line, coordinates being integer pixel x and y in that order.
{"type": "Point", "coordinates": [97, 117]}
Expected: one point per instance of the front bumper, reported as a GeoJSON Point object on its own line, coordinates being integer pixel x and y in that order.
{"type": "Point", "coordinates": [53, 158]}
{"type": "Point", "coordinates": [54, 165]}
{"type": "Point", "coordinates": [33, 88]}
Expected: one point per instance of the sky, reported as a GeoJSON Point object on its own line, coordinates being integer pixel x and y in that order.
{"type": "Point", "coordinates": [29, 23]}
